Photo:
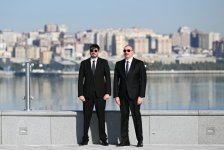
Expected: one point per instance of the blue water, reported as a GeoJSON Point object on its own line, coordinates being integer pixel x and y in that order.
{"type": "Point", "coordinates": [164, 92]}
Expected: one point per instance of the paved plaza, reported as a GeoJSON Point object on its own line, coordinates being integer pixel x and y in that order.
{"type": "Point", "coordinates": [111, 147]}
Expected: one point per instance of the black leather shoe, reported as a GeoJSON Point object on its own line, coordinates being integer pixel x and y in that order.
{"type": "Point", "coordinates": [83, 143]}
{"type": "Point", "coordinates": [140, 144]}
{"type": "Point", "coordinates": [124, 144]}
{"type": "Point", "coordinates": [104, 143]}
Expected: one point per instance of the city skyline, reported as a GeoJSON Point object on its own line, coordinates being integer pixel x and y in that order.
{"type": "Point", "coordinates": [163, 17]}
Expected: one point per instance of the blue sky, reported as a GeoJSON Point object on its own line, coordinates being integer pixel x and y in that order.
{"type": "Point", "coordinates": [163, 16]}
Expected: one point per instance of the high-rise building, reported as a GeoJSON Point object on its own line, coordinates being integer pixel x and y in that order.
{"type": "Point", "coordinates": [62, 28]}
{"type": "Point", "coordinates": [20, 52]}
{"type": "Point", "coordinates": [3, 46]}
{"type": "Point", "coordinates": [152, 44]}
{"type": "Point", "coordinates": [87, 36]}
{"type": "Point", "coordinates": [195, 38]}
{"type": "Point", "coordinates": [45, 57]}
{"type": "Point", "coordinates": [51, 28]}
{"type": "Point", "coordinates": [164, 45]}
{"type": "Point", "coordinates": [9, 37]}
{"type": "Point", "coordinates": [160, 44]}
{"type": "Point", "coordinates": [109, 37]}
{"type": "Point", "coordinates": [218, 47]}
{"type": "Point", "coordinates": [100, 39]}
{"type": "Point", "coordinates": [182, 38]}
{"type": "Point", "coordinates": [68, 52]}
{"type": "Point", "coordinates": [43, 42]}
{"type": "Point", "coordinates": [79, 47]}
{"type": "Point", "coordinates": [33, 52]}
{"type": "Point", "coordinates": [176, 39]}
{"type": "Point", "coordinates": [1, 37]}
{"type": "Point", "coordinates": [206, 40]}
{"type": "Point", "coordinates": [118, 43]}
{"type": "Point", "coordinates": [140, 44]}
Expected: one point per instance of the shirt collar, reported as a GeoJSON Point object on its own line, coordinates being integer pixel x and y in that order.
{"type": "Point", "coordinates": [93, 59]}
{"type": "Point", "coordinates": [129, 60]}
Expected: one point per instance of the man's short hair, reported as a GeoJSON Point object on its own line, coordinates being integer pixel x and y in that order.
{"type": "Point", "coordinates": [93, 46]}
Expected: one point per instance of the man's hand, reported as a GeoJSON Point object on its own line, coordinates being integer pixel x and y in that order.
{"type": "Point", "coordinates": [140, 100]}
{"type": "Point", "coordinates": [82, 98]}
{"type": "Point", "coordinates": [118, 101]}
{"type": "Point", "coordinates": [106, 97]}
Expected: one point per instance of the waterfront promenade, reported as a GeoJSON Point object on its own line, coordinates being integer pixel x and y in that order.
{"type": "Point", "coordinates": [111, 147]}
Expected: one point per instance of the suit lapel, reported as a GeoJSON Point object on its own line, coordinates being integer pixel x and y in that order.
{"type": "Point", "coordinates": [123, 67]}
{"type": "Point", "coordinates": [97, 64]}
{"type": "Point", "coordinates": [132, 66]}
{"type": "Point", "coordinates": [89, 65]}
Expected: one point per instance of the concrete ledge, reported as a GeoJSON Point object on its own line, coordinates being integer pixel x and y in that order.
{"type": "Point", "coordinates": [66, 127]}
{"type": "Point", "coordinates": [143, 112]}
{"type": "Point", "coordinates": [170, 112]}
{"type": "Point", "coordinates": [38, 113]}
{"type": "Point", "coordinates": [211, 113]}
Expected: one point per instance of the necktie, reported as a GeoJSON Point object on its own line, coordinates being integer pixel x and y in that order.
{"type": "Point", "coordinates": [93, 66]}
{"type": "Point", "coordinates": [126, 68]}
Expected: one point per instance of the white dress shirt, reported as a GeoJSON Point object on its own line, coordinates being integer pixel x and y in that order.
{"type": "Point", "coordinates": [129, 63]}
{"type": "Point", "coordinates": [93, 59]}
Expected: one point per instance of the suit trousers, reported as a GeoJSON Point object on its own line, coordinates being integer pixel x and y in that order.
{"type": "Point", "coordinates": [128, 104]}
{"type": "Point", "coordinates": [100, 105]}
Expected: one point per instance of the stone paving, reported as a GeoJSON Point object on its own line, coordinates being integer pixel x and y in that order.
{"type": "Point", "coordinates": [111, 147]}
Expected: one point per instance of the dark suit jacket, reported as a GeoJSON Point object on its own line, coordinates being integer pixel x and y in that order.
{"type": "Point", "coordinates": [134, 82]}
{"type": "Point", "coordinates": [99, 82]}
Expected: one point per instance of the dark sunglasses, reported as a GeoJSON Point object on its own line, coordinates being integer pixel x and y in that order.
{"type": "Point", "coordinates": [126, 50]}
{"type": "Point", "coordinates": [94, 50]}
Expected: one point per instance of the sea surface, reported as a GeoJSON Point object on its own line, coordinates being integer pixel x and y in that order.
{"type": "Point", "coordinates": [202, 91]}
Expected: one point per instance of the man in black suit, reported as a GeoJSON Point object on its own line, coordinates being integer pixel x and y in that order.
{"type": "Point", "coordinates": [129, 90]}
{"type": "Point", "coordinates": [94, 88]}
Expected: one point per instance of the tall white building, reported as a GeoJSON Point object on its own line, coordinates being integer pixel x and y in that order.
{"type": "Point", "coordinates": [33, 52]}
{"type": "Point", "coordinates": [118, 44]}
{"type": "Point", "coordinates": [85, 37]}
{"type": "Point", "coordinates": [160, 44]}
{"type": "Point", "coordinates": [62, 28]}
{"type": "Point", "coordinates": [10, 37]}
{"type": "Point", "coordinates": [2, 46]}
{"type": "Point", "coordinates": [109, 38]}
{"type": "Point", "coordinates": [182, 38]}
{"type": "Point", "coordinates": [140, 45]}
{"type": "Point", "coordinates": [20, 52]}
{"type": "Point", "coordinates": [100, 39]}
{"type": "Point", "coordinates": [164, 45]}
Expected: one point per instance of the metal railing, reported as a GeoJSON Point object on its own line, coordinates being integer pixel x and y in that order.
{"type": "Point", "coordinates": [27, 97]}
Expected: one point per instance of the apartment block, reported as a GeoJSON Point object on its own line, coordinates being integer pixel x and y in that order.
{"type": "Point", "coordinates": [19, 52]}
{"type": "Point", "coordinates": [9, 37]}
{"type": "Point", "coordinates": [62, 28]}
{"type": "Point", "coordinates": [118, 43]}
{"type": "Point", "coordinates": [33, 52]}
{"type": "Point", "coordinates": [195, 38]}
{"type": "Point", "coordinates": [87, 36]}
{"type": "Point", "coordinates": [181, 38]}
{"type": "Point", "coordinates": [68, 52]}
{"type": "Point", "coordinates": [206, 40]}
{"type": "Point", "coordinates": [51, 28]}
{"type": "Point", "coordinates": [100, 39]}
{"type": "Point", "coordinates": [140, 45]}
{"type": "Point", "coordinates": [164, 45]}
{"type": "Point", "coordinates": [45, 57]}
{"type": "Point", "coordinates": [218, 47]}
{"type": "Point", "coordinates": [160, 44]}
